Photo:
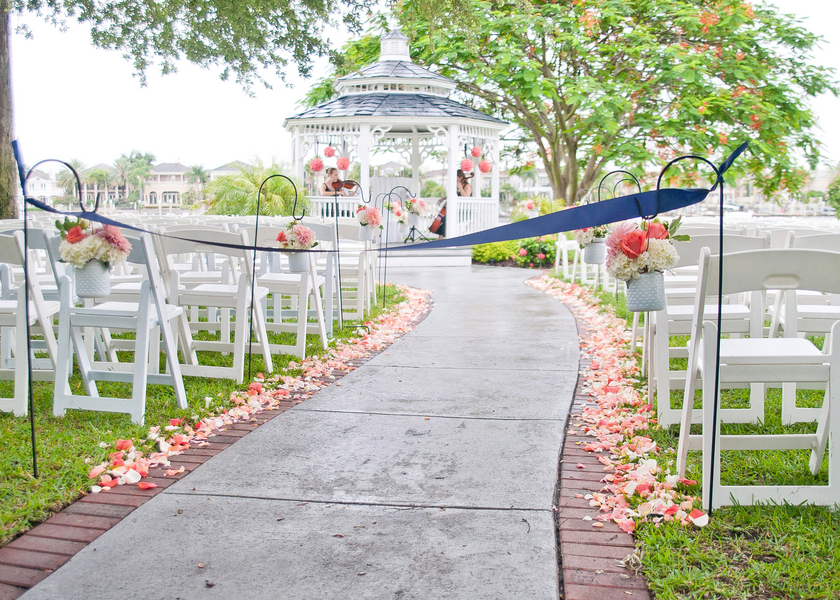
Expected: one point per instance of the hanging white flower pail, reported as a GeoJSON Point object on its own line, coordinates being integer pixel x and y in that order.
{"type": "Point", "coordinates": [595, 252]}
{"type": "Point", "coordinates": [298, 261]}
{"type": "Point", "coordinates": [647, 293]}
{"type": "Point", "coordinates": [404, 228]}
{"type": "Point", "coordinates": [368, 233]}
{"type": "Point", "coordinates": [533, 213]}
{"type": "Point", "coordinates": [93, 280]}
{"type": "Point", "coordinates": [412, 219]}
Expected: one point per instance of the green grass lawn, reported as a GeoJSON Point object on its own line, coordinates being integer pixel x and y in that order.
{"type": "Point", "coordinates": [766, 551]}
{"type": "Point", "coordinates": [749, 552]}
{"type": "Point", "coordinates": [68, 446]}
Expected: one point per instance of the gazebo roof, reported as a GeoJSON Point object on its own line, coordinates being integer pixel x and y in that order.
{"type": "Point", "coordinates": [394, 68]}
{"type": "Point", "coordinates": [394, 105]}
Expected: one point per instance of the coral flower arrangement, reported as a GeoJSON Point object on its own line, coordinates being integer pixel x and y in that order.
{"type": "Point", "coordinates": [633, 249]}
{"type": "Point", "coordinates": [80, 243]}
{"type": "Point", "coordinates": [588, 234]}
{"type": "Point", "coordinates": [369, 216]}
{"type": "Point", "coordinates": [296, 237]}
{"type": "Point", "coordinates": [416, 206]}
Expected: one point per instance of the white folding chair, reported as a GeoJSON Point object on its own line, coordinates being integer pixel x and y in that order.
{"type": "Point", "coordinates": [232, 298]}
{"type": "Point", "coordinates": [773, 361]}
{"type": "Point", "coordinates": [144, 318]}
{"type": "Point", "coordinates": [738, 318]}
{"type": "Point", "coordinates": [15, 359]}
{"type": "Point", "coordinates": [300, 288]}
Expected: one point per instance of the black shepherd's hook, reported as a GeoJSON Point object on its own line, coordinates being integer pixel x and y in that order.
{"type": "Point", "coordinates": [23, 180]}
{"type": "Point", "coordinates": [632, 178]}
{"type": "Point", "coordinates": [718, 180]}
{"type": "Point", "coordinates": [254, 265]}
{"type": "Point", "coordinates": [411, 195]}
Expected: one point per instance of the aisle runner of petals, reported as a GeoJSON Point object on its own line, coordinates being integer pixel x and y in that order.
{"type": "Point", "coordinates": [128, 465]}
{"type": "Point", "coordinates": [637, 488]}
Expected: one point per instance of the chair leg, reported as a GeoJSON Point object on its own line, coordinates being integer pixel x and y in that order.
{"type": "Point", "coordinates": [22, 358]}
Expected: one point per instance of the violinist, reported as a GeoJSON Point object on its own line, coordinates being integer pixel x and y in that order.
{"type": "Point", "coordinates": [332, 185]}
{"type": "Point", "coordinates": [463, 185]}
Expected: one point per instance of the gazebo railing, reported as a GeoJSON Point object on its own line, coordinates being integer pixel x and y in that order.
{"type": "Point", "coordinates": [477, 214]}
{"type": "Point", "coordinates": [474, 214]}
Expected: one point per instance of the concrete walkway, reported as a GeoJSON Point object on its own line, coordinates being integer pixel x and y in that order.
{"type": "Point", "coordinates": [429, 473]}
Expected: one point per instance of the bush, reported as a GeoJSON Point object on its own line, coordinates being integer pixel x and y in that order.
{"type": "Point", "coordinates": [544, 246]}
{"type": "Point", "coordinates": [495, 252]}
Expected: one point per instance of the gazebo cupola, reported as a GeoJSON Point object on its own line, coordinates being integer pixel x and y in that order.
{"type": "Point", "coordinates": [396, 105]}
{"type": "Point", "coordinates": [394, 72]}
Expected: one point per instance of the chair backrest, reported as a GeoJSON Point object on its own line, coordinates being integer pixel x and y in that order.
{"type": "Point", "coordinates": [775, 269]}
{"type": "Point", "coordinates": [690, 251]}
{"type": "Point", "coordinates": [188, 241]}
{"type": "Point", "coordinates": [819, 241]}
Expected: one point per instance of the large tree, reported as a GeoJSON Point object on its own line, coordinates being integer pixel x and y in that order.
{"type": "Point", "coordinates": [592, 84]}
{"type": "Point", "coordinates": [241, 38]}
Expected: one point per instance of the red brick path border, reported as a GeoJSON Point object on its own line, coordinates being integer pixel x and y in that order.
{"type": "Point", "coordinates": [589, 555]}
{"type": "Point", "coordinates": [30, 558]}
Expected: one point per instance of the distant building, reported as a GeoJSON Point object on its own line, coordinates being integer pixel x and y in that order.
{"type": "Point", "coordinates": [43, 187]}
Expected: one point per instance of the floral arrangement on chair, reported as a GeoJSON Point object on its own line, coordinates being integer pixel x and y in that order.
{"type": "Point", "coordinates": [297, 237]}
{"type": "Point", "coordinates": [633, 250]}
{"type": "Point", "coordinates": [80, 243]}
{"type": "Point", "coordinates": [588, 234]}
{"type": "Point", "coordinates": [369, 216]}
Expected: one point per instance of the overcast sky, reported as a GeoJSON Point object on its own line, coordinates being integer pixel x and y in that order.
{"type": "Point", "coordinates": [72, 100]}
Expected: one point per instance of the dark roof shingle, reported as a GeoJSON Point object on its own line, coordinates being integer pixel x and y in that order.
{"type": "Point", "coordinates": [394, 105]}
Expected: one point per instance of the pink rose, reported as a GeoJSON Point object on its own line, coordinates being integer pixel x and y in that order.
{"type": "Point", "coordinates": [633, 243]}
{"type": "Point", "coordinates": [657, 231]}
{"type": "Point", "coordinates": [75, 235]}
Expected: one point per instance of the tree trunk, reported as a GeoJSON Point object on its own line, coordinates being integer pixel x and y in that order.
{"type": "Point", "coordinates": [8, 168]}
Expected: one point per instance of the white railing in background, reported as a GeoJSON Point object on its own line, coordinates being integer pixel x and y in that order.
{"type": "Point", "coordinates": [325, 207]}
{"type": "Point", "coordinates": [477, 214]}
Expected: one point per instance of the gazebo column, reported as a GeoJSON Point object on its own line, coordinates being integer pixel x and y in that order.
{"type": "Point", "coordinates": [415, 165]}
{"type": "Point", "coordinates": [364, 148]}
{"type": "Point", "coordinates": [297, 159]}
{"type": "Point", "coordinates": [495, 188]}
{"type": "Point", "coordinates": [453, 226]}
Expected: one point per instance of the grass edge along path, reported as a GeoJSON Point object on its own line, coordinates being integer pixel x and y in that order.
{"type": "Point", "coordinates": [765, 551]}
{"type": "Point", "coordinates": [127, 461]}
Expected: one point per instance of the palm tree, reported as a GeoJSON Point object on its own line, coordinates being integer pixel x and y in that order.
{"type": "Point", "coordinates": [198, 176]}
{"type": "Point", "coordinates": [132, 171]}
{"type": "Point", "coordinates": [236, 194]}
{"type": "Point", "coordinates": [122, 166]}
{"type": "Point", "coordinates": [67, 180]}
{"type": "Point", "coordinates": [100, 178]}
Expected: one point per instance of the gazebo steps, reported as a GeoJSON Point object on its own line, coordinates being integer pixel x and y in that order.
{"type": "Point", "coordinates": [434, 257]}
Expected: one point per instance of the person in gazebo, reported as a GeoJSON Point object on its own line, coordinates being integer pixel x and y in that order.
{"type": "Point", "coordinates": [463, 184]}
{"type": "Point", "coordinates": [332, 185]}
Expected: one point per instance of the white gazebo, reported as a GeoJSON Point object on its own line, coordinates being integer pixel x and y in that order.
{"type": "Point", "coordinates": [396, 105]}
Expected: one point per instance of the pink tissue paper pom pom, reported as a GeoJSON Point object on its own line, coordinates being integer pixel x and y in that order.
{"type": "Point", "coordinates": [466, 165]}
{"type": "Point", "coordinates": [316, 164]}
{"type": "Point", "coordinates": [484, 166]}
{"type": "Point", "coordinates": [329, 151]}
{"type": "Point", "coordinates": [342, 163]}
{"type": "Point", "coordinates": [476, 151]}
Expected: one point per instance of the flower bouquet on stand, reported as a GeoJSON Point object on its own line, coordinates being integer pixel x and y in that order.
{"type": "Point", "coordinates": [532, 208]}
{"type": "Point", "coordinates": [370, 221]}
{"type": "Point", "coordinates": [92, 252]}
{"type": "Point", "coordinates": [640, 255]}
{"type": "Point", "coordinates": [416, 208]}
{"type": "Point", "coordinates": [297, 237]}
{"type": "Point", "coordinates": [400, 214]}
{"type": "Point", "coordinates": [592, 241]}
